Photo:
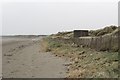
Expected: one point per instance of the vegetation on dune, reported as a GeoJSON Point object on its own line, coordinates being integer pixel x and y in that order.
{"type": "Point", "coordinates": [63, 34]}
{"type": "Point", "coordinates": [99, 32]}
{"type": "Point", "coordinates": [103, 31]}
{"type": "Point", "coordinates": [85, 62]}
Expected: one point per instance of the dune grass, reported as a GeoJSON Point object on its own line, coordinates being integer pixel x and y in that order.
{"type": "Point", "coordinates": [85, 62]}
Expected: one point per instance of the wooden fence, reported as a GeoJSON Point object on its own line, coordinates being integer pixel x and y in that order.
{"type": "Point", "coordinates": [102, 43]}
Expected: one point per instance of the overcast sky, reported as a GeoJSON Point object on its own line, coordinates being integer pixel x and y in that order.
{"type": "Point", "coordinates": [47, 17]}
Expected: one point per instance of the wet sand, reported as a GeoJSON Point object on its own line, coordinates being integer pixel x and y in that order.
{"type": "Point", "coordinates": [22, 58]}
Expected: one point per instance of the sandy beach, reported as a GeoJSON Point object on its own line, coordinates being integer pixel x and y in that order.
{"type": "Point", "coordinates": [23, 58]}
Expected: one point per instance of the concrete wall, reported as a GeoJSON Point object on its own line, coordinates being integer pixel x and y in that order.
{"type": "Point", "coordinates": [80, 33]}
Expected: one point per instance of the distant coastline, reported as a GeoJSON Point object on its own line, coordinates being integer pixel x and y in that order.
{"type": "Point", "coordinates": [22, 35]}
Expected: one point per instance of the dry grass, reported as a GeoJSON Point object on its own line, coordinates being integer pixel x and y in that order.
{"type": "Point", "coordinates": [99, 32]}
{"type": "Point", "coordinates": [85, 63]}
{"type": "Point", "coordinates": [63, 34]}
{"type": "Point", "coordinates": [106, 30]}
{"type": "Point", "coordinates": [44, 45]}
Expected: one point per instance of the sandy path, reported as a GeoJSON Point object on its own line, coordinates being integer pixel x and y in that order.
{"type": "Point", "coordinates": [23, 59]}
